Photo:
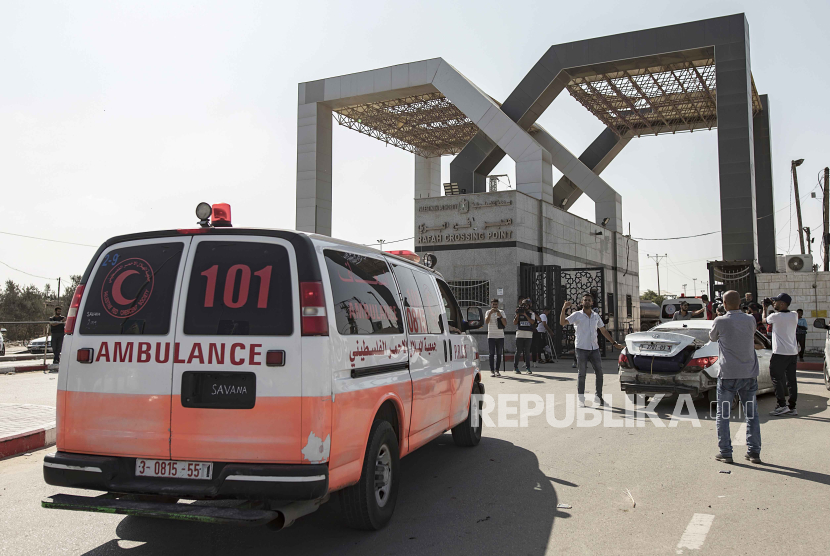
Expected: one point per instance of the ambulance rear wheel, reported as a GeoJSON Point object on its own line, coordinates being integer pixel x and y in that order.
{"type": "Point", "coordinates": [370, 503]}
{"type": "Point", "coordinates": [466, 433]}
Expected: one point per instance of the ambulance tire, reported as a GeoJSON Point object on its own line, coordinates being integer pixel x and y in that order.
{"type": "Point", "coordinates": [370, 503]}
{"type": "Point", "coordinates": [465, 434]}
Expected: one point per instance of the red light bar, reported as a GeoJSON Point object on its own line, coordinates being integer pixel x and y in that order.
{"type": "Point", "coordinates": [221, 215]}
{"type": "Point", "coordinates": [406, 255]}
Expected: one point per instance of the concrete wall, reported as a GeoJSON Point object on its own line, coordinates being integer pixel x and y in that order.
{"type": "Point", "coordinates": [462, 232]}
{"type": "Point", "coordinates": [800, 286]}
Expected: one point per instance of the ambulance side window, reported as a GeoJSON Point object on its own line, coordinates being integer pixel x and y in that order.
{"type": "Point", "coordinates": [132, 292]}
{"type": "Point", "coordinates": [413, 307]}
{"type": "Point", "coordinates": [432, 304]}
{"type": "Point", "coordinates": [451, 309]}
{"type": "Point", "coordinates": [240, 288]}
{"type": "Point", "coordinates": [365, 298]}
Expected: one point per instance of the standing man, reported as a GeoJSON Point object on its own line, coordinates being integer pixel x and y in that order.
{"type": "Point", "coordinates": [57, 325]}
{"type": "Point", "coordinates": [784, 354]}
{"type": "Point", "coordinates": [586, 324]}
{"type": "Point", "coordinates": [735, 335]}
{"type": "Point", "coordinates": [496, 321]}
{"type": "Point", "coordinates": [525, 320]}
{"type": "Point", "coordinates": [801, 334]}
{"type": "Point", "coordinates": [746, 301]}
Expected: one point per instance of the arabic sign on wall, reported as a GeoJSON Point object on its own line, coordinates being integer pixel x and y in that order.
{"type": "Point", "coordinates": [484, 218]}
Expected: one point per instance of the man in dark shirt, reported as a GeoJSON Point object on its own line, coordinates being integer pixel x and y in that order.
{"type": "Point", "coordinates": [57, 334]}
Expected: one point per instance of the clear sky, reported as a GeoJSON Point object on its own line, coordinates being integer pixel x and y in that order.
{"type": "Point", "coordinates": [119, 117]}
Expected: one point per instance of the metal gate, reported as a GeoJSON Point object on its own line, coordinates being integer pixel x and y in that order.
{"type": "Point", "coordinates": [549, 286]}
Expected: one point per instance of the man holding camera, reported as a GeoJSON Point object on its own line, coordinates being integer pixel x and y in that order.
{"type": "Point", "coordinates": [586, 324]}
{"type": "Point", "coordinates": [496, 321]}
{"type": "Point", "coordinates": [525, 320]}
{"type": "Point", "coordinates": [784, 358]}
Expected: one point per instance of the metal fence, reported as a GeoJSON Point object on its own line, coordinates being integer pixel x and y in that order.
{"type": "Point", "coordinates": [471, 293]}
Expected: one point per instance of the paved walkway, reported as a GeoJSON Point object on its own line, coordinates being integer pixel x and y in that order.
{"type": "Point", "coordinates": [25, 427]}
{"type": "Point", "coordinates": [17, 418]}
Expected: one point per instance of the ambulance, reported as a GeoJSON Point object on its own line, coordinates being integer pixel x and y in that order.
{"type": "Point", "coordinates": [272, 367]}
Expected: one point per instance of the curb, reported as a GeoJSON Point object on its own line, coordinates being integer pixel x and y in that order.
{"type": "Point", "coordinates": [809, 366]}
{"type": "Point", "coordinates": [20, 357]}
{"type": "Point", "coordinates": [25, 369]}
{"type": "Point", "coordinates": [27, 441]}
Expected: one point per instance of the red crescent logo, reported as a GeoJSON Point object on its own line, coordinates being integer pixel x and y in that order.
{"type": "Point", "coordinates": [140, 286]}
{"type": "Point", "coordinates": [116, 288]}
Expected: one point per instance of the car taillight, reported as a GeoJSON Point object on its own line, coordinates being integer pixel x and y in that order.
{"type": "Point", "coordinates": [623, 361]}
{"type": "Point", "coordinates": [85, 355]}
{"type": "Point", "coordinates": [700, 363]}
{"type": "Point", "coordinates": [313, 306]}
{"type": "Point", "coordinates": [72, 314]}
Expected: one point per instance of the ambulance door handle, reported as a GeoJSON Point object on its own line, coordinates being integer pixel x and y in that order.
{"type": "Point", "coordinates": [445, 351]}
{"type": "Point", "coordinates": [450, 343]}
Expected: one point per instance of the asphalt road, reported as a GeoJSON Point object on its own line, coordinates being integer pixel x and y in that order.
{"type": "Point", "coordinates": [501, 497]}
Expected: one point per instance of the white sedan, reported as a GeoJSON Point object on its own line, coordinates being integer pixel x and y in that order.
{"type": "Point", "coordinates": [678, 358]}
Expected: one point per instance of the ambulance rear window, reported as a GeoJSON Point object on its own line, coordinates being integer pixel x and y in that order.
{"type": "Point", "coordinates": [132, 292]}
{"type": "Point", "coordinates": [240, 288]}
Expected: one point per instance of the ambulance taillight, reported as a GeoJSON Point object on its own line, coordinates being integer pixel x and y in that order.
{"type": "Point", "coordinates": [72, 314]}
{"type": "Point", "coordinates": [313, 307]}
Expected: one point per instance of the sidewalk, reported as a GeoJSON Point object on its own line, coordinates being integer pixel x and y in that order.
{"type": "Point", "coordinates": [25, 427]}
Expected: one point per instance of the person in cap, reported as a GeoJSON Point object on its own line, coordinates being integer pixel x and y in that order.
{"type": "Point", "coordinates": [738, 374]}
{"type": "Point", "coordinates": [784, 358]}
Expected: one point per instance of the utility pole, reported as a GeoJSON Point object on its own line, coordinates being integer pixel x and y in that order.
{"type": "Point", "coordinates": [657, 259]}
{"type": "Point", "coordinates": [826, 235]}
{"type": "Point", "coordinates": [795, 164]}
{"type": "Point", "coordinates": [694, 287]}
{"type": "Point", "coordinates": [380, 243]}
{"type": "Point", "coordinates": [59, 292]}
{"type": "Point", "coordinates": [809, 247]}
{"type": "Point", "coordinates": [684, 289]}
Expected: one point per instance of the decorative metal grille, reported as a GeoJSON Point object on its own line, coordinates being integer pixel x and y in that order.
{"type": "Point", "coordinates": [660, 99]}
{"type": "Point", "coordinates": [471, 293]}
{"type": "Point", "coordinates": [550, 286]}
{"type": "Point", "coordinates": [428, 125]}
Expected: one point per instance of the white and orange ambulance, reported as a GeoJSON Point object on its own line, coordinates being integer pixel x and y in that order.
{"type": "Point", "coordinates": [260, 365]}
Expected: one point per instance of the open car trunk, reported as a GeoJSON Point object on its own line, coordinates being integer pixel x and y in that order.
{"type": "Point", "coordinates": [660, 352]}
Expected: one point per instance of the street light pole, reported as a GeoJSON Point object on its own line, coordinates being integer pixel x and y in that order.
{"type": "Point", "coordinates": [795, 164]}
{"type": "Point", "coordinates": [380, 243]}
{"type": "Point", "coordinates": [684, 289]}
{"type": "Point", "coordinates": [694, 287]}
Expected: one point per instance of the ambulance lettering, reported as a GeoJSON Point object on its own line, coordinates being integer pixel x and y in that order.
{"type": "Point", "coordinates": [201, 354]}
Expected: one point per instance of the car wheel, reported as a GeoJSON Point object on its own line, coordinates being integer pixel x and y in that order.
{"type": "Point", "coordinates": [370, 503]}
{"type": "Point", "coordinates": [826, 376]}
{"type": "Point", "coordinates": [465, 434]}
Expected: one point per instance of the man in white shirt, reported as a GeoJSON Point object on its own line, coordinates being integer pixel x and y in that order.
{"type": "Point", "coordinates": [586, 323]}
{"type": "Point", "coordinates": [782, 364]}
{"type": "Point", "coordinates": [496, 321]}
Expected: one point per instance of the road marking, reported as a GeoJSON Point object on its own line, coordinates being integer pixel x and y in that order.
{"type": "Point", "coordinates": [740, 436]}
{"type": "Point", "coordinates": [695, 533]}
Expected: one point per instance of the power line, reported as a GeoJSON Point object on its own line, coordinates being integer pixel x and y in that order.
{"type": "Point", "coordinates": [27, 273]}
{"type": "Point", "coordinates": [671, 238]}
{"type": "Point", "coordinates": [46, 239]}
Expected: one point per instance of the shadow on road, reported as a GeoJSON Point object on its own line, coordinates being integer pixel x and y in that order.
{"type": "Point", "coordinates": [492, 499]}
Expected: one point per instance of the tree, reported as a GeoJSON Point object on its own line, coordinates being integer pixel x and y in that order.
{"type": "Point", "coordinates": [19, 303]}
{"type": "Point", "coordinates": [651, 295]}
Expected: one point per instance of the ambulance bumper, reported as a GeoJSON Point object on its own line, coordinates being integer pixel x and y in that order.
{"type": "Point", "coordinates": [244, 481]}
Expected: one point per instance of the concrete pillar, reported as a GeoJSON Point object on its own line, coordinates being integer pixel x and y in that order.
{"type": "Point", "coordinates": [764, 206]}
{"type": "Point", "coordinates": [534, 175]}
{"type": "Point", "coordinates": [735, 149]}
{"type": "Point", "coordinates": [314, 126]}
{"type": "Point", "coordinates": [427, 177]}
